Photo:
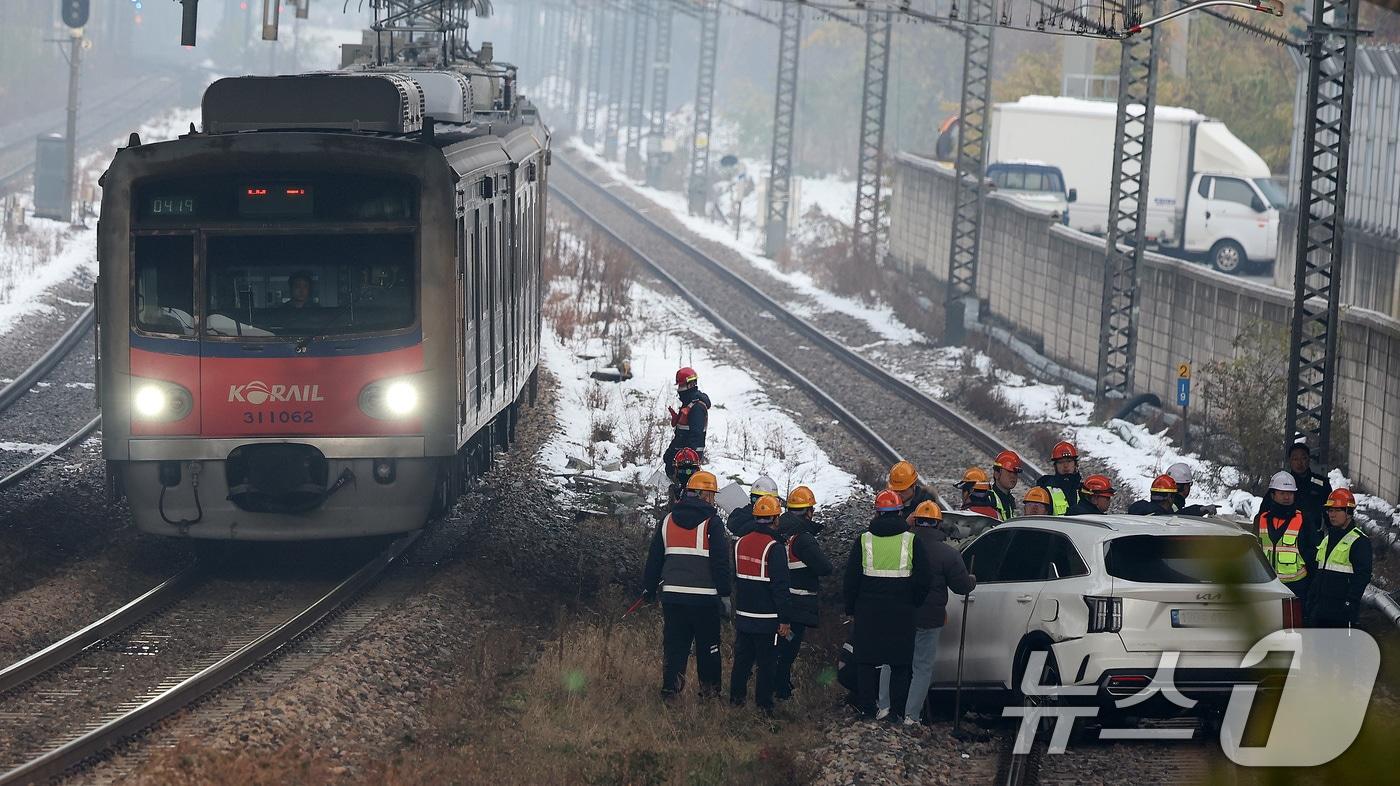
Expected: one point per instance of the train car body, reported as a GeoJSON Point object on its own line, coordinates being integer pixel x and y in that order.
{"type": "Point", "coordinates": [312, 330]}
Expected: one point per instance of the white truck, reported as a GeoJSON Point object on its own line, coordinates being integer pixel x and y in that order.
{"type": "Point", "coordinates": [1209, 194]}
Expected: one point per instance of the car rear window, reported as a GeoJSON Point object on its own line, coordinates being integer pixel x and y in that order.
{"type": "Point", "coordinates": [1187, 559]}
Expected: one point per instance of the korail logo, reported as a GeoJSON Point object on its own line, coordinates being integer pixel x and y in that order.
{"type": "Point", "coordinates": [259, 392]}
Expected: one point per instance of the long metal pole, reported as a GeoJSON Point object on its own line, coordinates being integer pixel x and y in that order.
{"type": "Point", "coordinates": [779, 197]}
{"type": "Point", "coordinates": [660, 81]}
{"type": "Point", "coordinates": [637, 88]}
{"type": "Point", "coordinates": [865, 240]}
{"type": "Point", "coordinates": [75, 42]}
{"type": "Point", "coordinates": [580, 25]}
{"type": "Point", "coordinates": [594, 92]}
{"type": "Point", "coordinates": [1127, 207]}
{"type": "Point", "coordinates": [698, 182]}
{"type": "Point", "coordinates": [616, 84]}
{"type": "Point", "coordinates": [1317, 276]}
{"type": "Point", "coordinates": [970, 160]}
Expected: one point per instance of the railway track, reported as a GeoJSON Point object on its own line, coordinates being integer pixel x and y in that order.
{"type": "Point", "coordinates": [868, 401]}
{"type": "Point", "coordinates": [80, 332]}
{"type": "Point", "coordinates": [69, 704]}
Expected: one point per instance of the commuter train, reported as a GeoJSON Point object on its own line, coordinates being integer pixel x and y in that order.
{"type": "Point", "coordinates": [320, 314]}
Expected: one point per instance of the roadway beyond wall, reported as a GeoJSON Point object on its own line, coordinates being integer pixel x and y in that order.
{"type": "Point", "coordinates": [1045, 281]}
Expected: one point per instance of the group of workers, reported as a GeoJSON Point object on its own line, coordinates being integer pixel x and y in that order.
{"type": "Point", "coordinates": [900, 570]}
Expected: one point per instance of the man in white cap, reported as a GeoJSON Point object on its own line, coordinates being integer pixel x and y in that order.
{"type": "Point", "coordinates": [1181, 473]}
{"type": "Point", "coordinates": [741, 519]}
{"type": "Point", "coordinates": [1289, 545]}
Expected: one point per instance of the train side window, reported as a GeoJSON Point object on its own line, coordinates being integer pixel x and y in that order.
{"type": "Point", "coordinates": [164, 271]}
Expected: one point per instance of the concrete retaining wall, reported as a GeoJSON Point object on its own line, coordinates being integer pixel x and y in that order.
{"type": "Point", "coordinates": [1046, 282]}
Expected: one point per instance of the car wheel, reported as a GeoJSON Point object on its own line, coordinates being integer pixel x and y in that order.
{"type": "Point", "coordinates": [1228, 257]}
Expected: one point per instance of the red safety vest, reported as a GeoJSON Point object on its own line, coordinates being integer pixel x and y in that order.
{"type": "Point", "coordinates": [681, 420]}
{"type": "Point", "coordinates": [686, 569]}
{"type": "Point", "coordinates": [751, 556]}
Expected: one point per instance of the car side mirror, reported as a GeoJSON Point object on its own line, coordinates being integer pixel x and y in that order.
{"type": "Point", "coordinates": [1073, 195]}
{"type": "Point", "coordinates": [1257, 204]}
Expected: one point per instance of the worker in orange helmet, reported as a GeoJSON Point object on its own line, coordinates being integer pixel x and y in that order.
{"type": "Point", "coordinates": [807, 564]}
{"type": "Point", "coordinates": [1064, 485]}
{"type": "Point", "coordinates": [947, 572]}
{"type": "Point", "coordinates": [690, 421]}
{"type": "Point", "coordinates": [886, 581]}
{"type": "Point", "coordinates": [1344, 565]}
{"type": "Point", "coordinates": [977, 493]}
{"type": "Point", "coordinates": [1094, 498]}
{"type": "Point", "coordinates": [1162, 501]}
{"type": "Point", "coordinates": [1006, 473]}
{"type": "Point", "coordinates": [1036, 502]}
{"type": "Point", "coordinates": [904, 482]}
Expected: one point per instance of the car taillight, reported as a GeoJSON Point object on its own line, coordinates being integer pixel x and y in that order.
{"type": "Point", "coordinates": [1105, 614]}
{"type": "Point", "coordinates": [1292, 613]}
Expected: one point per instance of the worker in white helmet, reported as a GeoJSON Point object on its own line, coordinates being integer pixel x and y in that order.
{"type": "Point", "coordinates": [1181, 473]}
{"type": "Point", "coordinates": [741, 519]}
{"type": "Point", "coordinates": [1290, 547]}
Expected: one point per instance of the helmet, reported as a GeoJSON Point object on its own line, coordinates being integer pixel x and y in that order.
{"type": "Point", "coordinates": [1098, 486]}
{"type": "Point", "coordinates": [887, 500]}
{"type": "Point", "coordinates": [1037, 494]}
{"type": "Point", "coordinates": [1180, 473]}
{"type": "Point", "coordinates": [1283, 481]}
{"type": "Point", "coordinates": [1008, 460]}
{"type": "Point", "coordinates": [1340, 498]}
{"type": "Point", "coordinates": [702, 481]}
{"type": "Point", "coordinates": [767, 508]}
{"type": "Point", "coordinates": [902, 476]}
{"type": "Point", "coordinates": [764, 487]}
{"type": "Point", "coordinates": [1063, 450]}
{"type": "Point", "coordinates": [685, 376]}
{"type": "Point", "coordinates": [928, 509]}
{"type": "Point", "coordinates": [1164, 484]}
{"type": "Point", "coordinates": [801, 498]}
{"type": "Point", "coordinates": [687, 456]}
{"type": "Point", "coordinates": [976, 478]}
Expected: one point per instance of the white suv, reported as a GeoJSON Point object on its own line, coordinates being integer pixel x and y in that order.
{"type": "Point", "coordinates": [1106, 596]}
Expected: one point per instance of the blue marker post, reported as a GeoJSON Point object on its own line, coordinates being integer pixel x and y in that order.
{"type": "Point", "coordinates": [1183, 400]}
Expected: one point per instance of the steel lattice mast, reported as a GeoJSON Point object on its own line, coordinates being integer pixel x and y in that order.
{"type": "Point", "coordinates": [1312, 361]}
{"type": "Point", "coordinates": [637, 87]}
{"type": "Point", "coordinates": [1128, 201]}
{"type": "Point", "coordinates": [616, 83]}
{"type": "Point", "coordinates": [698, 181]}
{"type": "Point", "coordinates": [779, 195]}
{"type": "Point", "coordinates": [660, 81]}
{"type": "Point", "coordinates": [865, 240]}
{"type": "Point", "coordinates": [970, 160]}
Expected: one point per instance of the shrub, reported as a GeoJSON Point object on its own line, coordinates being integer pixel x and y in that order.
{"type": "Point", "coordinates": [1244, 397]}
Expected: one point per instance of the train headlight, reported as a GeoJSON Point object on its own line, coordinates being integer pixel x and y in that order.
{"type": "Point", "coordinates": [155, 400]}
{"type": "Point", "coordinates": [395, 398]}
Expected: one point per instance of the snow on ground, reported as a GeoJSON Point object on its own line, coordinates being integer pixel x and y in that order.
{"type": "Point", "coordinates": [35, 448]}
{"type": "Point", "coordinates": [622, 428]}
{"type": "Point", "coordinates": [878, 317]}
{"type": "Point", "coordinates": [51, 252]}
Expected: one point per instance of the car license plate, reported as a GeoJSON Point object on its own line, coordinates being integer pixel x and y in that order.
{"type": "Point", "coordinates": [1203, 618]}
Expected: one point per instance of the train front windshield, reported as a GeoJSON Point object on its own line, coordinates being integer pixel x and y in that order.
{"type": "Point", "coordinates": [308, 285]}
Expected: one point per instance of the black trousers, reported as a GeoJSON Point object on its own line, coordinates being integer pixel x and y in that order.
{"type": "Point", "coordinates": [787, 655]}
{"type": "Point", "coordinates": [868, 687]}
{"type": "Point", "coordinates": [683, 627]}
{"type": "Point", "coordinates": [753, 650]}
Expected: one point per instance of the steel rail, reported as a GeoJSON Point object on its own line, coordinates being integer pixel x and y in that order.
{"type": "Point", "coordinates": [77, 436]}
{"type": "Point", "coordinates": [63, 650]}
{"type": "Point", "coordinates": [959, 424]}
{"type": "Point", "coordinates": [46, 363]}
{"type": "Point", "coordinates": [74, 753]}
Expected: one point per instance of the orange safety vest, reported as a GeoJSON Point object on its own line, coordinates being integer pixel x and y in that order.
{"type": "Point", "coordinates": [687, 566]}
{"type": "Point", "coordinates": [1285, 556]}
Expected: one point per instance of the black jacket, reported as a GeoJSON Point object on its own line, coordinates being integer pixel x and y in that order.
{"type": "Point", "coordinates": [688, 513]}
{"type": "Point", "coordinates": [764, 597]}
{"type": "Point", "coordinates": [946, 571]}
{"type": "Point", "coordinates": [1146, 507]}
{"type": "Point", "coordinates": [693, 436]}
{"type": "Point", "coordinates": [1083, 508]}
{"type": "Point", "coordinates": [740, 521]}
{"type": "Point", "coordinates": [1312, 493]}
{"type": "Point", "coordinates": [1335, 598]}
{"type": "Point", "coordinates": [884, 606]}
{"type": "Point", "coordinates": [800, 533]}
{"type": "Point", "coordinates": [921, 495]}
{"type": "Point", "coordinates": [1188, 510]}
{"type": "Point", "coordinates": [1276, 518]}
{"type": "Point", "coordinates": [1004, 502]}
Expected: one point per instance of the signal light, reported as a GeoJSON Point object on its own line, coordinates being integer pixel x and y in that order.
{"type": "Point", "coordinates": [296, 192]}
{"type": "Point", "coordinates": [257, 192]}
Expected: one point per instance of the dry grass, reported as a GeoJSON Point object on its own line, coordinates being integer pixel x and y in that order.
{"type": "Point", "coordinates": [1042, 439]}
{"type": "Point", "coordinates": [188, 764]}
{"type": "Point", "coordinates": [979, 392]}
{"type": "Point", "coordinates": [588, 711]}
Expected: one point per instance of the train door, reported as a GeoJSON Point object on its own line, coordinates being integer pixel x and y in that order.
{"type": "Point", "coordinates": [478, 286]}
{"type": "Point", "coordinates": [462, 238]}
{"type": "Point", "coordinates": [163, 315]}
{"type": "Point", "coordinates": [492, 259]}
{"type": "Point", "coordinates": [498, 296]}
